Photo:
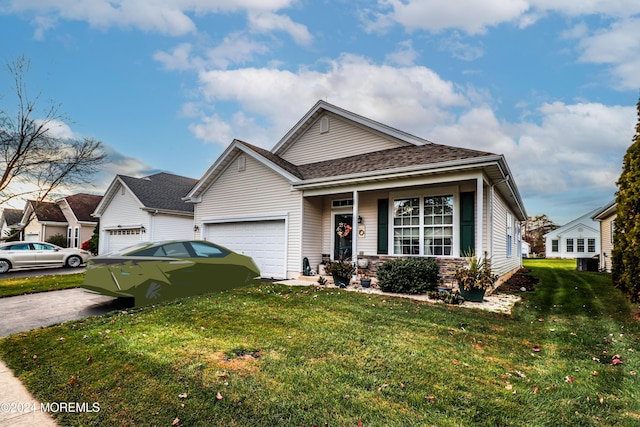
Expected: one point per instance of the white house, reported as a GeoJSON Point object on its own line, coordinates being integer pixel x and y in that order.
{"type": "Point", "coordinates": [342, 185]}
{"type": "Point", "coordinates": [144, 209]}
{"type": "Point", "coordinates": [579, 238]}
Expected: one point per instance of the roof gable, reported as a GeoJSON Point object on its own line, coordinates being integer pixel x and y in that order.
{"type": "Point", "coordinates": [162, 191]}
{"type": "Point", "coordinates": [584, 220]}
{"type": "Point", "coordinates": [11, 216]}
{"type": "Point", "coordinates": [83, 205]}
{"type": "Point", "coordinates": [321, 109]}
{"type": "Point", "coordinates": [45, 211]}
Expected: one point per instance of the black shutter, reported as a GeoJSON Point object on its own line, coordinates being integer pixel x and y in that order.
{"type": "Point", "coordinates": [383, 226]}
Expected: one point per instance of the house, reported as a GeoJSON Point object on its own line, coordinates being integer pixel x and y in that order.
{"type": "Point", "coordinates": [144, 209]}
{"type": "Point", "coordinates": [10, 223]}
{"type": "Point", "coordinates": [606, 217]}
{"type": "Point", "coordinates": [77, 210]}
{"type": "Point", "coordinates": [579, 238]}
{"type": "Point", "coordinates": [340, 185]}
{"type": "Point", "coordinates": [526, 249]}
{"type": "Point", "coordinates": [42, 220]}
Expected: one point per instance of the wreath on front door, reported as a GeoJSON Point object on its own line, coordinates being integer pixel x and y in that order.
{"type": "Point", "coordinates": [343, 229]}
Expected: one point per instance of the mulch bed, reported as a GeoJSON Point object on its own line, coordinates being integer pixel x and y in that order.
{"type": "Point", "coordinates": [520, 280]}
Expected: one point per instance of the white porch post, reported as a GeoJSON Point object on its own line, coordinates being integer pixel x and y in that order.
{"type": "Point", "coordinates": [354, 225]}
{"type": "Point", "coordinates": [479, 215]}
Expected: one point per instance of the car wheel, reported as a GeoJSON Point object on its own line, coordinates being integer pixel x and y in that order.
{"type": "Point", "coordinates": [4, 266]}
{"type": "Point", "coordinates": [74, 261]}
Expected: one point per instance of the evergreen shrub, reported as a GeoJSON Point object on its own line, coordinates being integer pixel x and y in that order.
{"type": "Point", "coordinates": [409, 276]}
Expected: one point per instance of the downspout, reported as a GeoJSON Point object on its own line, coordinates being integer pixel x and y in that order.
{"type": "Point", "coordinates": [491, 196]}
{"type": "Point", "coordinates": [354, 230]}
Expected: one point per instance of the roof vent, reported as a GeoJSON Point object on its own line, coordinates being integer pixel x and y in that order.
{"type": "Point", "coordinates": [242, 163]}
{"type": "Point", "coordinates": [324, 124]}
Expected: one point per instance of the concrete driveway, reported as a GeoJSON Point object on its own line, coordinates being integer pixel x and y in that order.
{"type": "Point", "coordinates": [24, 312]}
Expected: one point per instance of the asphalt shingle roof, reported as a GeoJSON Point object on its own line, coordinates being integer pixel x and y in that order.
{"type": "Point", "coordinates": [83, 205]}
{"type": "Point", "coordinates": [163, 191]}
{"type": "Point", "coordinates": [48, 211]}
{"type": "Point", "coordinates": [12, 216]}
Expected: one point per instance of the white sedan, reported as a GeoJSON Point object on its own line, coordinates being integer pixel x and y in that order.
{"type": "Point", "coordinates": [39, 254]}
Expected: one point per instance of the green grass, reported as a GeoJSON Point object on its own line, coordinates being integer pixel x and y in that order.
{"type": "Point", "coordinates": [29, 285]}
{"type": "Point", "coordinates": [273, 355]}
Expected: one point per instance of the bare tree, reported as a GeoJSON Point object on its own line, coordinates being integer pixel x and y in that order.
{"type": "Point", "coordinates": [534, 230]}
{"type": "Point", "coordinates": [31, 154]}
{"type": "Point", "coordinates": [34, 161]}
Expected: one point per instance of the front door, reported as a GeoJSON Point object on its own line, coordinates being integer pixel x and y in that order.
{"type": "Point", "coordinates": [343, 236]}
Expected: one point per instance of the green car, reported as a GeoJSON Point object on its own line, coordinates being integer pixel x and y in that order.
{"type": "Point", "coordinates": [161, 271]}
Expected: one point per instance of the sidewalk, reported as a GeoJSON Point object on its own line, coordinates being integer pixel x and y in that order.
{"type": "Point", "coordinates": [17, 405]}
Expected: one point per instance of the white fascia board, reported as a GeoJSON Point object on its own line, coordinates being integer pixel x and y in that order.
{"type": "Point", "coordinates": [195, 195]}
{"type": "Point", "coordinates": [154, 211]}
{"type": "Point", "coordinates": [372, 124]}
{"type": "Point", "coordinates": [245, 218]}
{"type": "Point", "coordinates": [110, 193]}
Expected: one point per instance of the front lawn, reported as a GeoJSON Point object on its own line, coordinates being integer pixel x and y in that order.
{"type": "Point", "coordinates": [29, 285]}
{"type": "Point", "coordinates": [273, 355]}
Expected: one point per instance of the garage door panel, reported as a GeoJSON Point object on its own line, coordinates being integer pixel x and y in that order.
{"type": "Point", "coordinates": [264, 241]}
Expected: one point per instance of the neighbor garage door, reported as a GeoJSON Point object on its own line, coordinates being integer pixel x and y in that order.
{"type": "Point", "coordinates": [264, 241]}
{"type": "Point", "coordinates": [121, 238]}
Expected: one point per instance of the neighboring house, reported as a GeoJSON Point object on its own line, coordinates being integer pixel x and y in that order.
{"type": "Point", "coordinates": [606, 216]}
{"type": "Point", "coordinates": [77, 209]}
{"type": "Point", "coordinates": [144, 209]}
{"type": "Point", "coordinates": [42, 220]}
{"type": "Point", "coordinates": [578, 239]}
{"type": "Point", "coordinates": [339, 184]}
{"type": "Point", "coordinates": [526, 249]}
{"type": "Point", "coordinates": [10, 221]}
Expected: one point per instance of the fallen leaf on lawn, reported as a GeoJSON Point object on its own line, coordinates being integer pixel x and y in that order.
{"type": "Point", "coordinates": [601, 398]}
{"type": "Point", "coordinates": [535, 390]}
{"type": "Point", "coordinates": [182, 395]}
{"type": "Point", "coordinates": [569, 380]}
{"type": "Point", "coordinates": [73, 380]}
{"type": "Point", "coordinates": [347, 396]}
{"type": "Point", "coordinates": [430, 398]}
{"type": "Point", "coordinates": [219, 396]}
{"type": "Point", "coordinates": [632, 373]}
{"type": "Point", "coordinates": [455, 361]}
{"type": "Point", "coordinates": [509, 387]}
{"type": "Point", "coordinates": [520, 374]}
{"type": "Point", "coordinates": [89, 359]}
{"type": "Point", "coordinates": [360, 423]}
{"type": "Point", "coordinates": [594, 373]}
{"type": "Point", "coordinates": [175, 422]}
{"type": "Point", "coordinates": [616, 361]}
{"type": "Point", "coordinates": [536, 348]}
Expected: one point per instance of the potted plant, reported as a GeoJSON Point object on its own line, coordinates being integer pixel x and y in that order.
{"type": "Point", "coordinates": [341, 270]}
{"type": "Point", "coordinates": [365, 281]}
{"type": "Point", "coordinates": [475, 278]}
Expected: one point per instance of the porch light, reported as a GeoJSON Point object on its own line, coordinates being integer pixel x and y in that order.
{"type": "Point", "coordinates": [360, 219]}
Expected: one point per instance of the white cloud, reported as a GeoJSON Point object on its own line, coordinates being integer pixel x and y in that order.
{"type": "Point", "coordinates": [266, 22]}
{"type": "Point", "coordinates": [619, 46]}
{"type": "Point", "coordinates": [405, 55]}
{"type": "Point", "coordinates": [413, 98]}
{"type": "Point", "coordinates": [163, 16]}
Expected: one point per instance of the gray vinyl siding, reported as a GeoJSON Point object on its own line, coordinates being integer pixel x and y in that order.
{"type": "Point", "coordinates": [313, 235]}
{"type": "Point", "coordinates": [501, 263]}
{"type": "Point", "coordinates": [343, 139]}
{"type": "Point", "coordinates": [254, 192]}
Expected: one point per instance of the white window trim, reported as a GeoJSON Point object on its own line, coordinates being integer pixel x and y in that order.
{"type": "Point", "coordinates": [422, 193]}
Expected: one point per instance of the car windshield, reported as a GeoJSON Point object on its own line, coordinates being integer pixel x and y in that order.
{"type": "Point", "coordinates": [182, 250]}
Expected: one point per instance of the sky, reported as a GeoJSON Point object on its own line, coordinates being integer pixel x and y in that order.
{"type": "Point", "coordinates": [167, 85]}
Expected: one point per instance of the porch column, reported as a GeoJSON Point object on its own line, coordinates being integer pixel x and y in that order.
{"type": "Point", "coordinates": [354, 225]}
{"type": "Point", "coordinates": [479, 216]}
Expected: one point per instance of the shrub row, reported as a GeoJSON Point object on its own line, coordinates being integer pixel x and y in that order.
{"type": "Point", "coordinates": [409, 276]}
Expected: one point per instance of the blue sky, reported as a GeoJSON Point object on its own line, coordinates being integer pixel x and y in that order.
{"type": "Point", "coordinates": [167, 85]}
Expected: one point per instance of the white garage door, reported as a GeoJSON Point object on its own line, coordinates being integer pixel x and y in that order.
{"type": "Point", "coordinates": [264, 241]}
{"type": "Point", "coordinates": [121, 238]}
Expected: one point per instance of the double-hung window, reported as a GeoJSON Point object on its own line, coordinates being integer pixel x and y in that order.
{"type": "Point", "coordinates": [554, 245]}
{"type": "Point", "coordinates": [406, 226]}
{"type": "Point", "coordinates": [509, 234]}
{"type": "Point", "coordinates": [569, 245]}
{"type": "Point", "coordinates": [580, 245]}
{"type": "Point", "coordinates": [591, 245]}
{"type": "Point", "coordinates": [438, 226]}
{"type": "Point", "coordinates": [423, 226]}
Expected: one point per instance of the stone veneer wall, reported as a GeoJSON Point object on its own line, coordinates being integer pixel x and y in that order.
{"type": "Point", "coordinates": [448, 266]}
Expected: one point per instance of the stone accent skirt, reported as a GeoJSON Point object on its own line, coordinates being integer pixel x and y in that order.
{"type": "Point", "coordinates": [448, 266]}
